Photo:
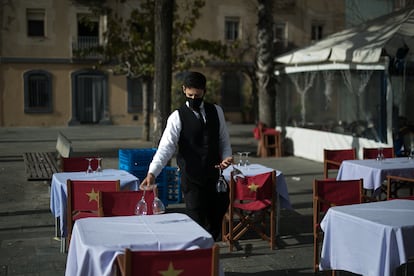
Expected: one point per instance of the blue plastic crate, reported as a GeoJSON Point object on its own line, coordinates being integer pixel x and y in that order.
{"type": "Point", "coordinates": [129, 159]}
{"type": "Point", "coordinates": [171, 182]}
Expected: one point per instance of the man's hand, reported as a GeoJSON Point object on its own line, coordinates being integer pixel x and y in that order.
{"type": "Point", "coordinates": [148, 182]}
{"type": "Point", "coordinates": [226, 162]}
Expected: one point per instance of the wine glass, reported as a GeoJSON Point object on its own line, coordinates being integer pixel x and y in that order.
{"type": "Point", "coordinates": [240, 159]}
{"type": "Point", "coordinates": [141, 208]}
{"type": "Point", "coordinates": [380, 155]}
{"type": "Point", "coordinates": [89, 169]}
{"type": "Point", "coordinates": [221, 185]}
{"type": "Point", "coordinates": [246, 160]}
{"type": "Point", "coordinates": [99, 168]}
{"type": "Point", "coordinates": [157, 206]}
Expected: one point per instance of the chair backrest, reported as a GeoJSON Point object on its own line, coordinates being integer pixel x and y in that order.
{"type": "Point", "coordinates": [63, 146]}
{"type": "Point", "coordinates": [82, 198]}
{"type": "Point", "coordinates": [372, 153]}
{"type": "Point", "coordinates": [122, 203]}
{"type": "Point", "coordinates": [332, 159]}
{"type": "Point", "coordinates": [258, 130]}
{"type": "Point", "coordinates": [77, 164]}
{"type": "Point", "coordinates": [200, 262]}
{"type": "Point", "coordinates": [331, 192]}
{"type": "Point", "coordinates": [396, 185]}
{"type": "Point", "coordinates": [253, 188]}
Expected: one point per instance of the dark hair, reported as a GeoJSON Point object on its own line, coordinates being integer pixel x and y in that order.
{"type": "Point", "coordinates": [195, 80]}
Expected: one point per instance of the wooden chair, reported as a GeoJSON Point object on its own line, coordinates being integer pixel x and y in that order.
{"type": "Point", "coordinates": [372, 153]}
{"type": "Point", "coordinates": [252, 207]}
{"type": "Point", "coordinates": [328, 193]}
{"type": "Point", "coordinates": [77, 164]}
{"type": "Point", "coordinates": [269, 141]}
{"type": "Point", "coordinates": [122, 203]}
{"type": "Point", "coordinates": [200, 262]}
{"type": "Point", "coordinates": [332, 159]}
{"type": "Point", "coordinates": [82, 199]}
{"type": "Point", "coordinates": [396, 184]}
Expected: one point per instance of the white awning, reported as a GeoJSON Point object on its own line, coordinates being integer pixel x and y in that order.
{"type": "Point", "coordinates": [363, 44]}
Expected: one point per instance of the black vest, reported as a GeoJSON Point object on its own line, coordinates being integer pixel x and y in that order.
{"type": "Point", "coordinates": [198, 146]}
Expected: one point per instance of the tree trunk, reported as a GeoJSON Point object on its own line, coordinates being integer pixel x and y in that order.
{"type": "Point", "coordinates": [146, 108]}
{"type": "Point", "coordinates": [264, 63]}
{"type": "Point", "coordinates": [163, 17]}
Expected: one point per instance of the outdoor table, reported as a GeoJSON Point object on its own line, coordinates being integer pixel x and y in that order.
{"type": "Point", "coordinates": [374, 172]}
{"type": "Point", "coordinates": [370, 238]}
{"type": "Point", "coordinates": [97, 241]}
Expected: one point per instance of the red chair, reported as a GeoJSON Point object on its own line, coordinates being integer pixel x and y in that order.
{"type": "Point", "coordinates": [372, 153]}
{"type": "Point", "coordinates": [252, 207]}
{"type": "Point", "coordinates": [328, 193]}
{"type": "Point", "coordinates": [269, 141]}
{"type": "Point", "coordinates": [200, 262]}
{"type": "Point", "coordinates": [332, 159]}
{"type": "Point", "coordinates": [82, 199]}
{"type": "Point", "coordinates": [77, 164]}
{"type": "Point", "coordinates": [122, 203]}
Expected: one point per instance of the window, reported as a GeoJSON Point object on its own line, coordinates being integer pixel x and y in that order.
{"type": "Point", "coordinates": [231, 28]}
{"type": "Point", "coordinates": [37, 92]}
{"type": "Point", "coordinates": [317, 32]}
{"type": "Point", "coordinates": [87, 39]}
{"type": "Point", "coordinates": [135, 103]}
{"type": "Point", "coordinates": [280, 33]}
{"type": "Point", "coordinates": [35, 22]}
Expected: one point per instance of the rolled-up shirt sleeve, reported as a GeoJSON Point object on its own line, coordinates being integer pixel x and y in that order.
{"type": "Point", "coordinates": [168, 144]}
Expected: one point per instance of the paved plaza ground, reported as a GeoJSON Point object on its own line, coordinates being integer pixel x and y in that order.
{"type": "Point", "coordinates": [27, 244]}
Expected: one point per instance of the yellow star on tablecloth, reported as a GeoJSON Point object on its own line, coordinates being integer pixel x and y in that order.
{"type": "Point", "coordinates": [253, 187]}
{"type": "Point", "coordinates": [93, 195]}
{"type": "Point", "coordinates": [171, 271]}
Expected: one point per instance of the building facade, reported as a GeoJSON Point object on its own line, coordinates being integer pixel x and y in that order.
{"type": "Point", "coordinates": [43, 82]}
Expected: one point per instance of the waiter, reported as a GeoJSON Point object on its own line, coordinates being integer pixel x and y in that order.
{"type": "Point", "coordinates": [198, 130]}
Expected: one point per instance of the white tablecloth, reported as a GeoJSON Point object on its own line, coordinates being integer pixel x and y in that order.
{"type": "Point", "coordinates": [370, 239]}
{"type": "Point", "coordinates": [58, 194]}
{"type": "Point", "coordinates": [255, 169]}
{"type": "Point", "coordinates": [96, 242]}
{"type": "Point", "coordinates": [374, 172]}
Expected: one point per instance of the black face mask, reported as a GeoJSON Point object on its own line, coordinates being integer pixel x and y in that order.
{"type": "Point", "coordinates": [195, 103]}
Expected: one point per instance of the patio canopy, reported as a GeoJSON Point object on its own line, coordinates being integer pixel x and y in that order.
{"type": "Point", "coordinates": [389, 35]}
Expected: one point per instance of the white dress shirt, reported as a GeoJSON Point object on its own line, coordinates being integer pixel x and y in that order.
{"type": "Point", "coordinates": [169, 140]}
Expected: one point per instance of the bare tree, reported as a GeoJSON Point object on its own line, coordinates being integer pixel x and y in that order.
{"type": "Point", "coordinates": [264, 63]}
{"type": "Point", "coordinates": [163, 60]}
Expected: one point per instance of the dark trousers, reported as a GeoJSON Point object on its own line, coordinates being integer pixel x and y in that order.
{"type": "Point", "coordinates": [205, 205]}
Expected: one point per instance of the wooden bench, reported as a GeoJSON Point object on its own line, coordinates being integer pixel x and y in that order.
{"type": "Point", "coordinates": [40, 166]}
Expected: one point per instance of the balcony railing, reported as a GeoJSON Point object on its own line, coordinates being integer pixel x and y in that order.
{"type": "Point", "coordinates": [85, 47]}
